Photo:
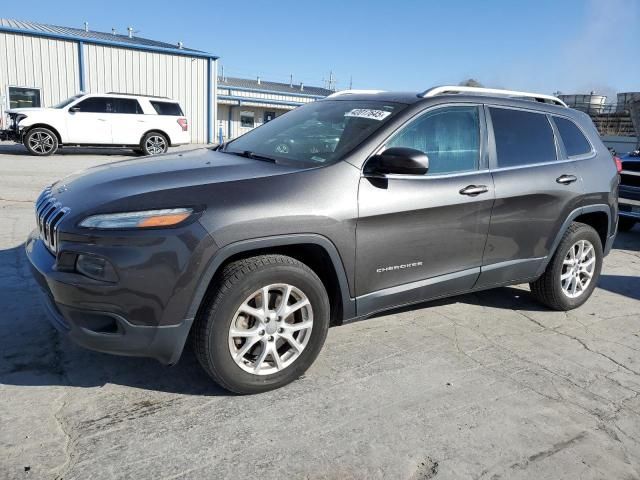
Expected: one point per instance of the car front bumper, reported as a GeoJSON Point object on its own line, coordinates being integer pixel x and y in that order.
{"type": "Point", "coordinates": [94, 314]}
{"type": "Point", "coordinates": [629, 207]}
{"type": "Point", "coordinates": [12, 135]}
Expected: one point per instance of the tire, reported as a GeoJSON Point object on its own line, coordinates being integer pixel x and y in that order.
{"type": "Point", "coordinates": [239, 285]}
{"type": "Point", "coordinates": [41, 141]}
{"type": "Point", "coordinates": [154, 143]}
{"type": "Point", "coordinates": [625, 224]}
{"type": "Point", "coordinates": [548, 289]}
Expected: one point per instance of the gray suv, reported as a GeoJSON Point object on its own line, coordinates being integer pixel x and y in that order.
{"type": "Point", "coordinates": [340, 209]}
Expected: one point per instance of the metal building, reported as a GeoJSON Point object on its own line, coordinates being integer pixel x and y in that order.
{"type": "Point", "coordinates": [41, 65]}
{"type": "Point", "coordinates": [244, 104]}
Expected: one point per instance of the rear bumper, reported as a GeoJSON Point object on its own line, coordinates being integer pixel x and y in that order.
{"type": "Point", "coordinates": [180, 138]}
{"type": "Point", "coordinates": [101, 330]}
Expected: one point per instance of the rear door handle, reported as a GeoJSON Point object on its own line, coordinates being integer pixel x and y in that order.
{"type": "Point", "coordinates": [566, 179]}
{"type": "Point", "coordinates": [473, 190]}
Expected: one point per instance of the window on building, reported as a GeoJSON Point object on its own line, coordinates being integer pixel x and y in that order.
{"type": "Point", "coordinates": [127, 105]}
{"type": "Point", "coordinates": [268, 116]}
{"type": "Point", "coordinates": [21, 97]}
{"type": "Point", "coordinates": [247, 119]}
{"type": "Point", "coordinates": [449, 136]}
{"type": "Point", "coordinates": [96, 105]}
{"type": "Point", "coordinates": [522, 138]}
{"type": "Point", "coordinates": [574, 140]}
{"type": "Point", "coordinates": [167, 108]}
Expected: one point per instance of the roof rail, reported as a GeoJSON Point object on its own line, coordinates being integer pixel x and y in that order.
{"type": "Point", "coordinates": [354, 92]}
{"type": "Point", "coordinates": [136, 95]}
{"type": "Point", "coordinates": [539, 97]}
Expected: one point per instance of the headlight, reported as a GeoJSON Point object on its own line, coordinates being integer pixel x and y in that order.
{"type": "Point", "coordinates": [146, 219]}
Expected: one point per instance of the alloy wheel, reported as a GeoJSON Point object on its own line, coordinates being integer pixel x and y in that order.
{"type": "Point", "coordinates": [577, 268]}
{"type": "Point", "coordinates": [41, 142]}
{"type": "Point", "coordinates": [155, 144]}
{"type": "Point", "coordinates": [270, 329]}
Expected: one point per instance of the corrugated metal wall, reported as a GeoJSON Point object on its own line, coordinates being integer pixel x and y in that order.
{"type": "Point", "coordinates": [180, 78]}
{"type": "Point", "coordinates": [226, 90]}
{"type": "Point", "coordinates": [51, 65]}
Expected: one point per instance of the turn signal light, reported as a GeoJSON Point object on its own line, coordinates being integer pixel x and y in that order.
{"type": "Point", "coordinates": [163, 220]}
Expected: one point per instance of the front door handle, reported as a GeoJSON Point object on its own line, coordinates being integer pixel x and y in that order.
{"type": "Point", "coordinates": [566, 179]}
{"type": "Point", "coordinates": [473, 190]}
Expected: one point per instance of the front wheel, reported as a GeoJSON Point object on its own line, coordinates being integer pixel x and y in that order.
{"type": "Point", "coordinates": [264, 324]}
{"type": "Point", "coordinates": [154, 143]}
{"type": "Point", "coordinates": [573, 272]}
{"type": "Point", "coordinates": [41, 141]}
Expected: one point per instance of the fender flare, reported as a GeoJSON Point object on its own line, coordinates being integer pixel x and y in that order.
{"type": "Point", "coordinates": [26, 130]}
{"type": "Point", "coordinates": [599, 207]}
{"type": "Point", "coordinates": [157, 130]}
{"type": "Point", "coordinates": [226, 252]}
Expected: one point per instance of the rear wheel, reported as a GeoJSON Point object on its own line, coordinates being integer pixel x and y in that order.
{"type": "Point", "coordinates": [573, 272]}
{"type": "Point", "coordinates": [154, 143]}
{"type": "Point", "coordinates": [264, 325]}
{"type": "Point", "coordinates": [41, 141]}
{"type": "Point", "coordinates": [625, 224]}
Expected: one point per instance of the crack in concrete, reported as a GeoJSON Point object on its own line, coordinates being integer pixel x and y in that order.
{"type": "Point", "coordinates": [555, 448]}
{"type": "Point", "coordinates": [580, 341]}
{"type": "Point", "coordinates": [58, 368]}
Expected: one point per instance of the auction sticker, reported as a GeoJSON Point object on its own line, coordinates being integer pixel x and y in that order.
{"type": "Point", "coordinates": [368, 113]}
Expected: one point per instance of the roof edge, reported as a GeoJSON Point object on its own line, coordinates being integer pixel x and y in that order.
{"type": "Point", "coordinates": [96, 41]}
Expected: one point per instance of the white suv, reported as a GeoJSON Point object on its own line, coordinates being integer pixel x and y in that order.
{"type": "Point", "coordinates": [147, 124]}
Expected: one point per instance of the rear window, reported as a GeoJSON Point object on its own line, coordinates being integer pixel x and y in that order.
{"type": "Point", "coordinates": [127, 105]}
{"type": "Point", "coordinates": [167, 108]}
{"type": "Point", "coordinates": [522, 138]}
{"type": "Point", "coordinates": [574, 140]}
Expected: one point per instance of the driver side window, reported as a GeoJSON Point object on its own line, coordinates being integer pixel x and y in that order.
{"type": "Point", "coordinates": [449, 136]}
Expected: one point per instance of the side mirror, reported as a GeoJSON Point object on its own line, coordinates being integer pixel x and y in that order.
{"type": "Point", "coordinates": [399, 160]}
{"type": "Point", "coordinates": [74, 109]}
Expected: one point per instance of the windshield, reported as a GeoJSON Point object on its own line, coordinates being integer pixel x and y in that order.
{"type": "Point", "coordinates": [66, 102]}
{"type": "Point", "coordinates": [317, 133]}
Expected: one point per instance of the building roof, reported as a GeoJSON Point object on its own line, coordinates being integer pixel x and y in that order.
{"type": "Point", "coordinates": [92, 36]}
{"type": "Point", "coordinates": [276, 87]}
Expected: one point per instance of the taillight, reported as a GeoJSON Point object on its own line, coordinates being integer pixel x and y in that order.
{"type": "Point", "coordinates": [184, 124]}
{"type": "Point", "coordinates": [618, 163]}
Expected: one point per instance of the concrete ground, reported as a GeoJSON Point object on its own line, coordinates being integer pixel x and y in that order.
{"type": "Point", "coordinates": [481, 386]}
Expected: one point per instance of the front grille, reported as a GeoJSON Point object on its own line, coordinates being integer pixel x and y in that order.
{"type": "Point", "coordinates": [49, 214]}
{"type": "Point", "coordinates": [630, 179]}
{"type": "Point", "coordinates": [631, 165]}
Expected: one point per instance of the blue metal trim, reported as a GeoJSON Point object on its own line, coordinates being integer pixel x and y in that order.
{"type": "Point", "coordinates": [209, 109]}
{"type": "Point", "coordinates": [108, 43]}
{"type": "Point", "coordinates": [81, 66]}
{"type": "Point", "coordinates": [259, 100]}
{"type": "Point", "coordinates": [272, 92]}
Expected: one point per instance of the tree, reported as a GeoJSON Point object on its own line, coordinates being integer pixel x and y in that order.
{"type": "Point", "coordinates": [471, 82]}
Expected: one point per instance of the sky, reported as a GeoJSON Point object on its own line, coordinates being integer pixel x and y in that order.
{"type": "Point", "coordinates": [572, 46]}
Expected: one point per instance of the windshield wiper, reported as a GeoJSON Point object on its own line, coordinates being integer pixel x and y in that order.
{"type": "Point", "coordinates": [253, 156]}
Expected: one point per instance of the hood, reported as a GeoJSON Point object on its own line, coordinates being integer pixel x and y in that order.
{"type": "Point", "coordinates": [164, 181]}
{"type": "Point", "coordinates": [27, 110]}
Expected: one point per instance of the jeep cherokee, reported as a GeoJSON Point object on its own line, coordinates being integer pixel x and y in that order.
{"type": "Point", "coordinates": [254, 248]}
